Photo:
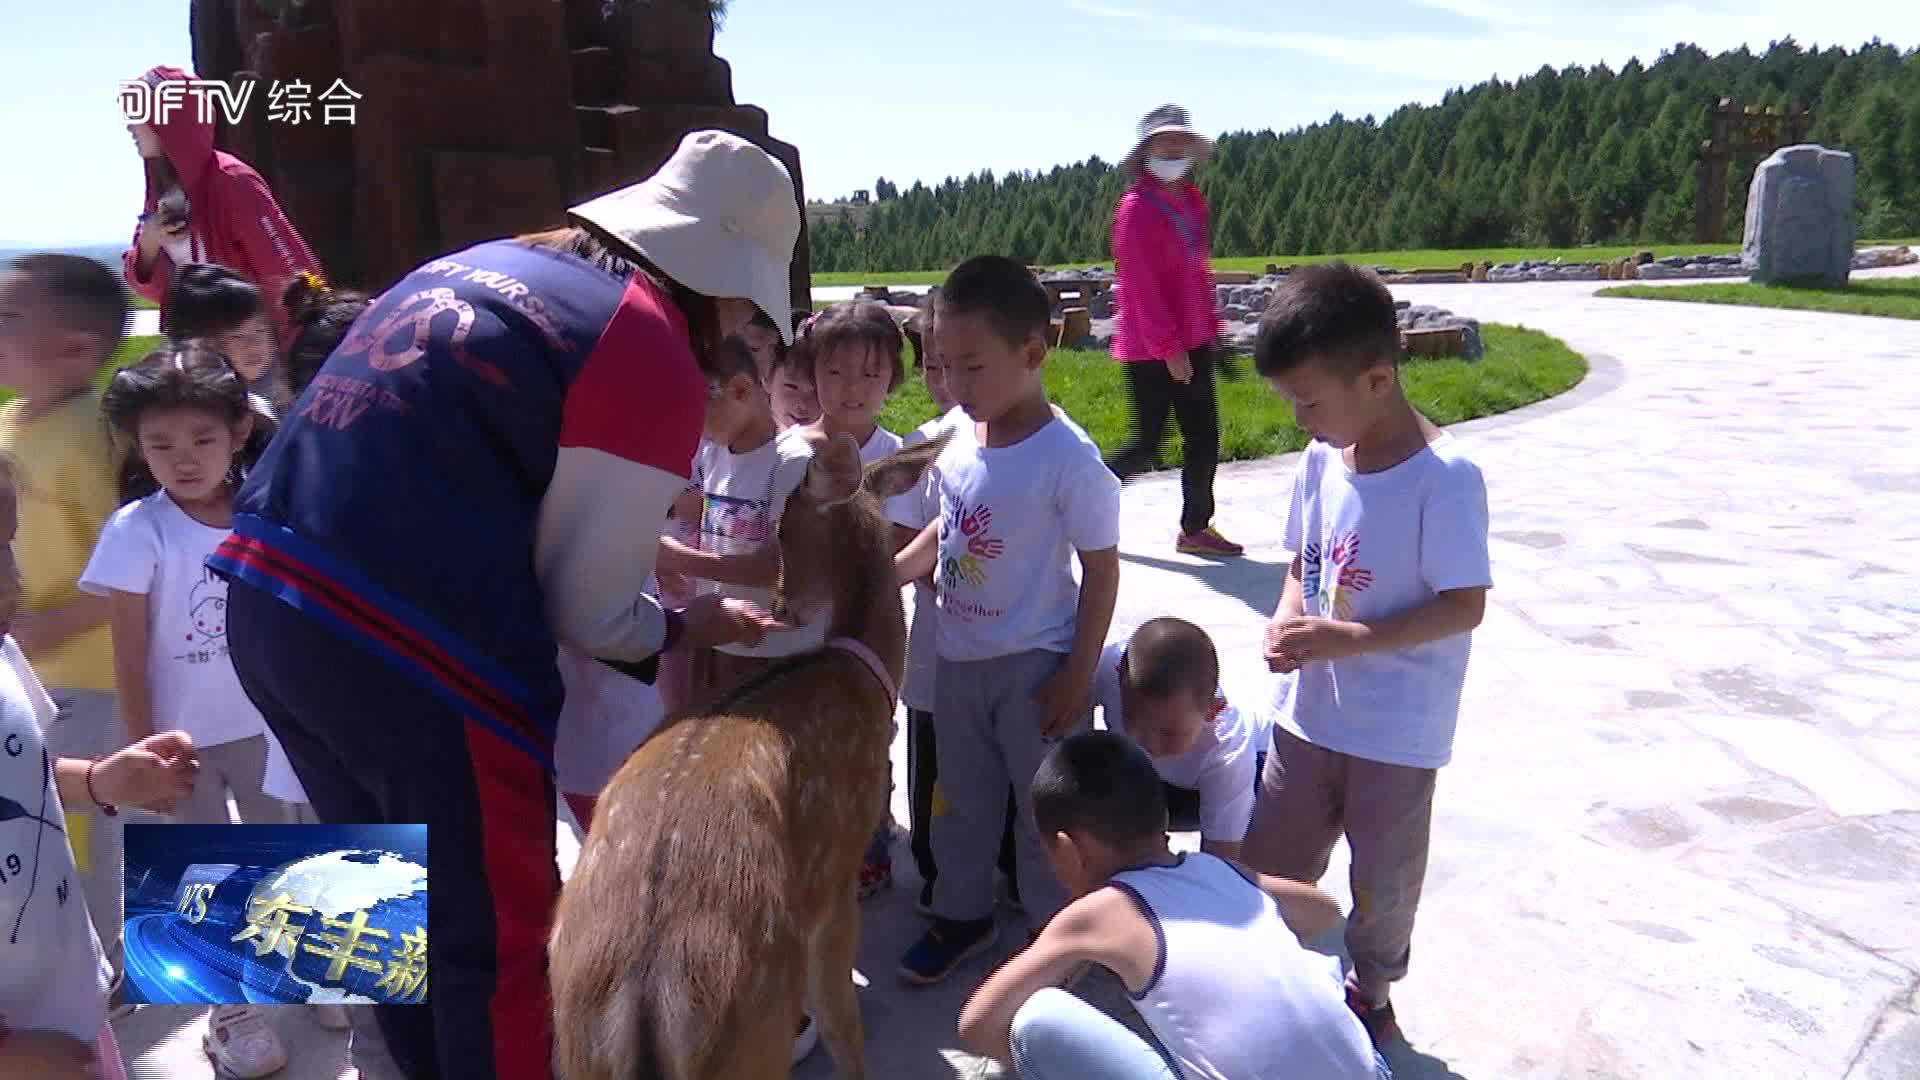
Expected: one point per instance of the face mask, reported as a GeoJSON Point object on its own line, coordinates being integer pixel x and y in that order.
{"type": "Point", "coordinates": [1169, 169]}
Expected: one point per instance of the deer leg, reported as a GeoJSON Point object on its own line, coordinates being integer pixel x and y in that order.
{"type": "Point", "coordinates": [830, 976]}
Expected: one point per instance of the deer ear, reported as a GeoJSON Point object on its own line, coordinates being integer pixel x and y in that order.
{"type": "Point", "coordinates": [900, 472]}
{"type": "Point", "coordinates": [834, 474]}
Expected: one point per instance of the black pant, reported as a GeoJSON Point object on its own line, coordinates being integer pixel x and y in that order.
{"type": "Point", "coordinates": [922, 772]}
{"type": "Point", "coordinates": [371, 746]}
{"type": "Point", "coordinates": [1152, 391]}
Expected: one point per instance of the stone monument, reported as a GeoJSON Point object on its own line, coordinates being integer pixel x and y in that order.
{"type": "Point", "coordinates": [1800, 227]}
{"type": "Point", "coordinates": [475, 118]}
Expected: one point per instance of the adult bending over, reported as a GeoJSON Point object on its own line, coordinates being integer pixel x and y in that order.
{"type": "Point", "coordinates": [1169, 328]}
{"type": "Point", "coordinates": [480, 473]}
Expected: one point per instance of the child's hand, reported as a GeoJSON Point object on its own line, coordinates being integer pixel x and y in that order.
{"type": "Point", "coordinates": [1306, 638]}
{"type": "Point", "coordinates": [46, 1054]}
{"type": "Point", "coordinates": [687, 506]}
{"type": "Point", "coordinates": [152, 774]}
{"type": "Point", "coordinates": [1278, 659]}
{"type": "Point", "coordinates": [713, 620]}
{"type": "Point", "coordinates": [1065, 698]}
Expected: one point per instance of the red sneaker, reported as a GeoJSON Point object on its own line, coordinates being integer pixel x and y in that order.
{"type": "Point", "coordinates": [1207, 541]}
{"type": "Point", "coordinates": [1381, 1027]}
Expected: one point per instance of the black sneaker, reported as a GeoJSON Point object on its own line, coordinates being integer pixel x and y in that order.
{"type": "Point", "coordinates": [942, 948]}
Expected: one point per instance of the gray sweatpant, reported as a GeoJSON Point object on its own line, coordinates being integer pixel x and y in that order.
{"type": "Point", "coordinates": [987, 727]}
{"type": "Point", "coordinates": [240, 767]}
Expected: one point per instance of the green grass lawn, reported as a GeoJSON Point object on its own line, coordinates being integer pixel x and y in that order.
{"type": "Point", "coordinates": [1893, 298]}
{"type": "Point", "coordinates": [1399, 260]}
{"type": "Point", "coordinates": [141, 303]}
{"type": "Point", "coordinates": [1521, 367]}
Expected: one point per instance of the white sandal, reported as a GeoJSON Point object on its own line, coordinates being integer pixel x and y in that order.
{"type": "Point", "coordinates": [242, 1043]}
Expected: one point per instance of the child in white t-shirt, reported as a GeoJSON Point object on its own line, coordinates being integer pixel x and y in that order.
{"type": "Point", "coordinates": [1160, 686]}
{"type": "Point", "coordinates": [190, 431]}
{"type": "Point", "coordinates": [54, 976]}
{"type": "Point", "coordinates": [750, 470]}
{"type": "Point", "coordinates": [1388, 521]}
{"type": "Point", "coordinates": [1209, 952]}
{"type": "Point", "coordinates": [911, 513]}
{"type": "Point", "coordinates": [854, 350]}
{"type": "Point", "coordinates": [1023, 494]}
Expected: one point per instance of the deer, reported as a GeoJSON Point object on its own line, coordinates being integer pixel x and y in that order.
{"type": "Point", "coordinates": [715, 894]}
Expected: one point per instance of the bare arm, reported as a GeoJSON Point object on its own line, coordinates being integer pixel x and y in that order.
{"type": "Point", "coordinates": [131, 630]}
{"type": "Point", "coordinates": [1101, 928]}
{"type": "Point", "coordinates": [759, 569]}
{"type": "Point", "coordinates": [1293, 602]}
{"type": "Point", "coordinates": [45, 631]}
{"type": "Point", "coordinates": [1455, 611]}
{"type": "Point", "coordinates": [917, 559]}
{"type": "Point", "coordinates": [1093, 617]}
{"type": "Point", "coordinates": [1228, 850]}
{"type": "Point", "coordinates": [1308, 910]}
{"type": "Point", "coordinates": [41, 1054]}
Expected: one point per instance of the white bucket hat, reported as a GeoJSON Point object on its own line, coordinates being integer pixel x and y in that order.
{"type": "Point", "coordinates": [720, 217]}
{"type": "Point", "coordinates": [1164, 119]}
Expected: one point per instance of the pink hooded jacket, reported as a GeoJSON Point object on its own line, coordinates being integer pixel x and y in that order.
{"type": "Point", "coordinates": [1164, 286]}
{"type": "Point", "coordinates": [233, 219]}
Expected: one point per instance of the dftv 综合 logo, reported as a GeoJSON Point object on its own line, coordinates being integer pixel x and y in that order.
{"type": "Point", "coordinates": [156, 101]}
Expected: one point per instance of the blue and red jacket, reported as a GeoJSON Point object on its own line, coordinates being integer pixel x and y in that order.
{"type": "Point", "coordinates": [482, 469]}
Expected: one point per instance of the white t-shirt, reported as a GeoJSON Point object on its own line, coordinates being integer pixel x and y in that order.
{"type": "Point", "coordinates": [154, 548]}
{"type": "Point", "coordinates": [915, 510]}
{"type": "Point", "coordinates": [280, 781]}
{"type": "Point", "coordinates": [1012, 518]}
{"type": "Point", "coordinates": [1219, 764]}
{"type": "Point", "coordinates": [1371, 545]}
{"type": "Point", "coordinates": [745, 496]}
{"type": "Point", "coordinates": [1236, 995]}
{"type": "Point", "coordinates": [606, 716]}
{"type": "Point", "coordinates": [53, 974]}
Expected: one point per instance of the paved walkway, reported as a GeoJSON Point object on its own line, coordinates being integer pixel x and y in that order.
{"type": "Point", "coordinates": [1681, 832]}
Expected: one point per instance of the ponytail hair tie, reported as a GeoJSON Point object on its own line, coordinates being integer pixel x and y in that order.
{"type": "Point", "coordinates": [807, 327]}
{"type": "Point", "coordinates": [317, 284]}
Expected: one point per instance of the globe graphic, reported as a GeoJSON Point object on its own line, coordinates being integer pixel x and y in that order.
{"type": "Point", "coordinates": [392, 890]}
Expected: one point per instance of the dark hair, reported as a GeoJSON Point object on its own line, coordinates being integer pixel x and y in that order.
{"type": "Point", "coordinates": [319, 316]}
{"type": "Point", "coordinates": [81, 294]}
{"type": "Point", "coordinates": [205, 301]}
{"type": "Point", "coordinates": [1101, 784]}
{"type": "Point", "coordinates": [1004, 293]}
{"type": "Point", "coordinates": [860, 324]}
{"type": "Point", "coordinates": [191, 375]}
{"type": "Point", "coordinates": [1335, 315]}
{"type": "Point", "coordinates": [1169, 656]}
{"type": "Point", "coordinates": [700, 311]}
{"type": "Point", "coordinates": [734, 357]}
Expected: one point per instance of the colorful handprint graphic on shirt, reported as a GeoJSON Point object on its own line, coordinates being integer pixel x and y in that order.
{"type": "Point", "coordinates": [967, 545]}
{"type": "Point", "coordinates": [1329, 575]}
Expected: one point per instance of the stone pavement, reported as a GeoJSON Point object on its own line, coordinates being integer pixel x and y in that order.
{"type": "Point", "coordinates": [1681, 832]}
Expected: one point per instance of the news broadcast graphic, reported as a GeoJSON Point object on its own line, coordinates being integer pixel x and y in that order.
{"type": "Point", "coordinates": [276, 914]}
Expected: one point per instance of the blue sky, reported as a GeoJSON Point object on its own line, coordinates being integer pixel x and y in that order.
{"type": "Point", "coordinates": [922, 90]}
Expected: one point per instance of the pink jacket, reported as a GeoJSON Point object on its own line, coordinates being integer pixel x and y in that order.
{"type": "Point", "coordinates": [1165, 287]}
{"type": "Point", "coordinates": [235, 221]}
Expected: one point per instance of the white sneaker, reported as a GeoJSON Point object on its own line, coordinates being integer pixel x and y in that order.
{"type": "Point", "coordinates": [808, 1038]}
{"type": "Point", "coordinates": [331, 1017]}
{"type": "Point", "coordinates": [242, 1044]}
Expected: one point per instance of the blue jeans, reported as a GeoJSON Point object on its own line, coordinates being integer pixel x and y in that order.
{"type": "Point", "coordinates": [1057, 1036]}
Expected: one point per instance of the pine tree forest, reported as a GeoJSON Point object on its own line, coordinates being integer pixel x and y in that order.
{"type": "Point", "coordinates": [1559, 158]}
